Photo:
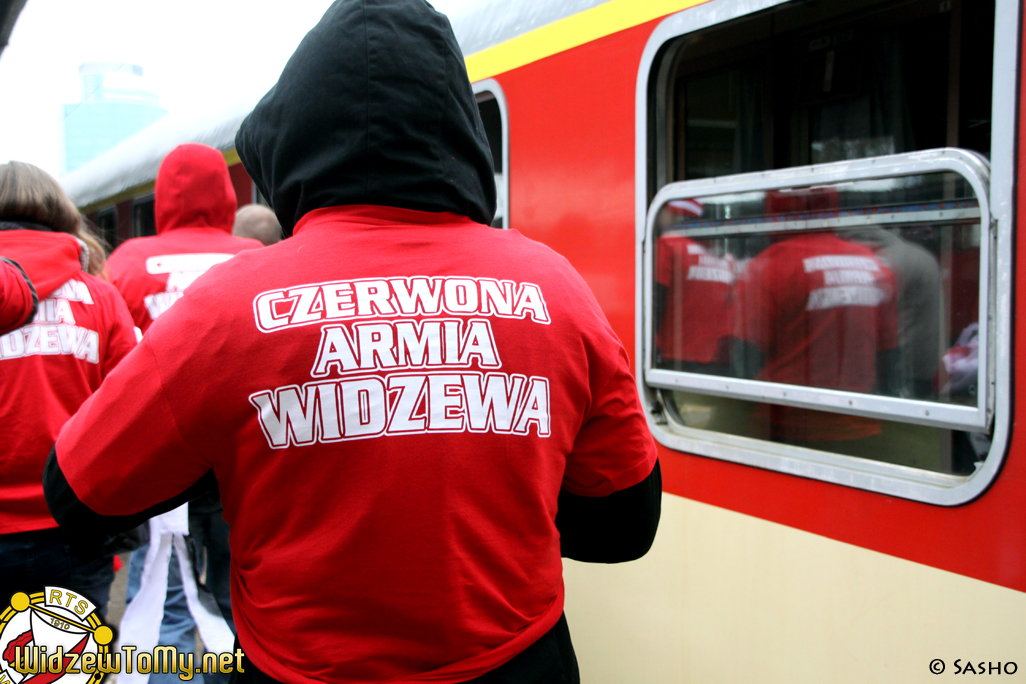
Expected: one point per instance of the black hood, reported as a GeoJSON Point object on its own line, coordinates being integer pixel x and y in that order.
{"type": "Point", "coordinates": [374, 107]}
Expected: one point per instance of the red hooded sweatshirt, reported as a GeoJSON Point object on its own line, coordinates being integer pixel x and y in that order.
{"type": "Point", "coordinates": [49, 367]}
{"type": "Point", "coordinates": [392, 428]}
{"type": "Point", "coordinates": [195, 211]}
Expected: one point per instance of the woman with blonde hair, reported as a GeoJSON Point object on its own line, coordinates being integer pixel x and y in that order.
{"type": "Point", "coordinates": [48, 367]}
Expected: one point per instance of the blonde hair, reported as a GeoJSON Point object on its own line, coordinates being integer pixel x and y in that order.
{"type": "Point", "coordinates": [27, 193]}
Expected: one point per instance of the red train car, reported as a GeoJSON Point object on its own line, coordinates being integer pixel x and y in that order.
{"type": "Point", "coordinates": [802, 218]}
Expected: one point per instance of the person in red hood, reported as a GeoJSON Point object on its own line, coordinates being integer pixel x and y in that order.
{"type": "Point", "coordinates": [48, 367]}
{"type": "Point", "coordinates": [18, 298]}
{"type": "Point", "coordinates": [194, 207]}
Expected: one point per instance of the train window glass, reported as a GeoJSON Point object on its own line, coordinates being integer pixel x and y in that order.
{"type": "Point", "coordinates": [938, 450]}
{"type": "Point", "coordinates": [491, 103]}
{"type": "Point", "coordinates": [143, 220]}
{"type": "Point", "coordinates": [721, 127]}
{"type": "Point", "coordinates": [865, 289]}
{"type": "Point", "coordinates": [107, 226]}
{"type": "Point", "coordinates": [834, 81]}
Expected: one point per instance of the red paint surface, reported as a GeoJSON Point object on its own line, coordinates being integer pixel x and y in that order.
{"type": "Point", "coordinates": [242, 183]}
{"type": "Point", "coordinates": [572, 182]}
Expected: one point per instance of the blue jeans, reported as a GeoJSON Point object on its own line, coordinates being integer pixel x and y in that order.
{"type": "Point", "coordinates": [29, 561]}
{"type": "Point", "coordinates": [177, 628]}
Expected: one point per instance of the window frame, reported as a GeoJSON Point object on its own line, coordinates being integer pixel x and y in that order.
{"type": "Point", "coordinates": [932, 413]}
{"type": "Point", "coordinates": [486, 87]}
{"type": "Point", "coordinates": [997, 275]}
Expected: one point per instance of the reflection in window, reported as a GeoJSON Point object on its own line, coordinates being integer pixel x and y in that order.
{"type": "Point", "coordinates": [693, 283]}
{"type": "Point", "coordinates": [795, 85]}
{"type": "Point", "coordinates": [865, 286]}
{"type": "Point", "coordinates": [849, 120]}
{"type": "Point", "coordinates": [723, 132]}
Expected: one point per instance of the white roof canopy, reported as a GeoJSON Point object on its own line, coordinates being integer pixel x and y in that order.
{"type": "Point", "coordinates": [136, 160]}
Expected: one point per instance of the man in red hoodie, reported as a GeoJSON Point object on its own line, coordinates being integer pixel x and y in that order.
{"type": "Point", "coordinates": [411, 415]}
{"type": "Point", "coordinates": [195, 211]}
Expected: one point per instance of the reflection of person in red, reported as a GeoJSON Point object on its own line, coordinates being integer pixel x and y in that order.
{"type": "Point", "coordinates": [693, 290]}
{"type": "Point", "coordinates": [817, 311]}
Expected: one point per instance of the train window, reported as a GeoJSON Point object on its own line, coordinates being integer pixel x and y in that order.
{"type": "Point", "coordinates": [821, 264]}
{"type": "Point", "coordinates": [107, 226]}
{"type": "Point", "coordinates": [841, 293]}
{"type": "Point", "coordinates": [143, 220]}
{"type": "Point", "coordinates": [828, 82]}
{"type": "Point", "coordinates": [492, 104]}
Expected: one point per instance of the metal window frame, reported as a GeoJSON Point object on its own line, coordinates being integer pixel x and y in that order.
{"type": "Point", "coordinates": [884, 478]}
{"type": "Point", "coordinates": [491, 87]}
{"type": "Point", "coordinates": [936, 414]}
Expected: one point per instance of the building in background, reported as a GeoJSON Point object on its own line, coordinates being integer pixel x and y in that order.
{"type": "Point", "coordinates": [115, 105]}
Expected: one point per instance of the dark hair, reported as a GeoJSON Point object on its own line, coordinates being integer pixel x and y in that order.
{"type": "Point", "coordinates": [27, 193]}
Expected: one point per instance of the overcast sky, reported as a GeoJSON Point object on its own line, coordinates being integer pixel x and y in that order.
{"type": "Point", "coordinates": [194, 53]}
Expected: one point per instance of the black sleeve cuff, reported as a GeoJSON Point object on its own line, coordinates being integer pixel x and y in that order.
{"type": "Point", "coordinates": [611, 529]}
{"type": "Point", "coordinates": [86, 527]}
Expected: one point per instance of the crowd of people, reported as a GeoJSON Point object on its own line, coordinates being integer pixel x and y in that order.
{"type": "Point", "coordinates": [340, 521]}
{"type": "Point", "coordinates": [57, 301]}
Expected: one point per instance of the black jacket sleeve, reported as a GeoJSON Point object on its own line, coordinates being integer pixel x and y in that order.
{"type": "Point", "coordinates": [87, 527]}
{"type": "Point", "coordinates": [611, 529]}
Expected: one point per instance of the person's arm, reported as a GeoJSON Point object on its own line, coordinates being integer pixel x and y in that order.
{"type": "Point", "coordinates": [887, 382]}
{"type": "Point", "coordinates": [122, 457]}
{"type": "Point", "coordinates": [121, 337]}
{"type": "Point", "coordinates": [84, 527]}
{"type": "Point", "coordinates": [614, 528]}
{"type": "Point", "coordinates": [888, 356]}
{"type": "Point", "coordinates": [746, 359]}
{"type": "Point", "coordinates": [18, 298]}
{"type": "Point", "coordinates": [660, 295]}
{"type": "Point", "coordinates": [87, 527]}
{"type": "Point", "coordinates": [609, 506]}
